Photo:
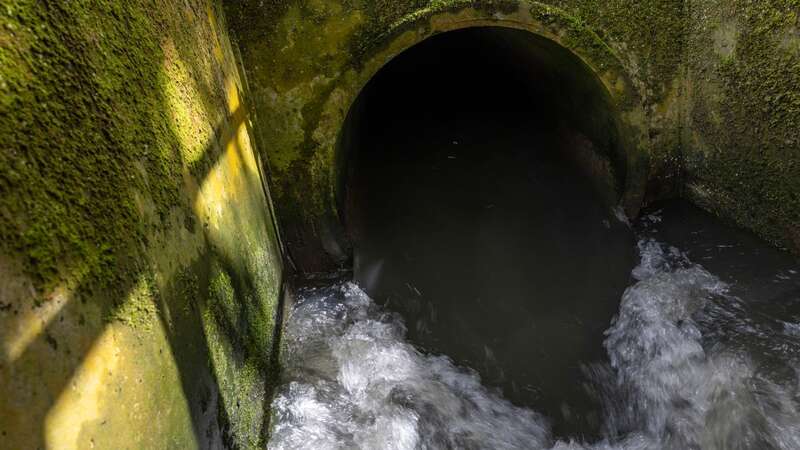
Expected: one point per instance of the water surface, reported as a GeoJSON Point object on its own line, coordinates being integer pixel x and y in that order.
{"type": "Point", "coordinates": [496, 252]}
{"type": "Point", "coordinates": [695, 358]}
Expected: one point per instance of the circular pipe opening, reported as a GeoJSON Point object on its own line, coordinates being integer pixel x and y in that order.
{"type": "Point", "coordinates": [480, 170]}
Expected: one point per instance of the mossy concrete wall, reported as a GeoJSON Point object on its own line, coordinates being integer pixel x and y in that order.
{"type": "Point", "coordinates": [742, 123]}
{"type": "Point", "coordinates": [139, 266]}
{"type": "Point", "coordinates": [307, 61]}
{"type": "Point", "coordinates": [706, 91]}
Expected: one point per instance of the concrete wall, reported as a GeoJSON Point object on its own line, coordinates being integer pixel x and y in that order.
{"type": "Point", "coordinates": [707, 90]}
{"type": "Point", "coordinates": [139, 266]}
{"type": "Point", "coordinates": [308, 60]}
{"type": "Point", "coordinates": [742, 121]}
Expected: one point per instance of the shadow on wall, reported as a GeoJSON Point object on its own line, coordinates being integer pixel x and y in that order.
{"type": "Point", "coordinates": [84, 363]}
{"type": "Point", "coordinates": [212, 303]}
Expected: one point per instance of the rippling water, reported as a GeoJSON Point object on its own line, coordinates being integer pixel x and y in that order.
{"type": "Point", "coordinates": [689, 366]}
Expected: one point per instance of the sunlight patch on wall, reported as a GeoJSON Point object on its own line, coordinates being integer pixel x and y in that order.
{"type": "Point", "coordinates": [18, 331]}
{"type": "Point", "coordinates": [234, 175]}
{"type": "Point", "coordinates": [188, 118]}
{"type": "Point", "coordinates": [128, 381]}
{"type": "Point", "coordinates": [80, 401]}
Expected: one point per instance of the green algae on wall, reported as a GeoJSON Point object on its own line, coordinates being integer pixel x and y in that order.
{"type": "Point", "coordinates": [649, 38]}
{"type": "Point", "coordinates": [742, 146]}
{"type": "Point", "coordinates": [715, 83]}
{"type": "Point", "coordinates": [127, 178]}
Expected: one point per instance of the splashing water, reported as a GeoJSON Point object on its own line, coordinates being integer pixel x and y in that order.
{"type": "Point", "coordinates": [689, 367]}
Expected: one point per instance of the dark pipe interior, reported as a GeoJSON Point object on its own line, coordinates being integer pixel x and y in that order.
{"type": "Point", "coordinates": [471, 211]}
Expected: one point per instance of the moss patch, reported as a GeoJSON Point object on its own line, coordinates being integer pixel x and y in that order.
{"type": "Point", "coordinates": [81, 109]}
{"type": "Point", "coordinates": [743, 159]}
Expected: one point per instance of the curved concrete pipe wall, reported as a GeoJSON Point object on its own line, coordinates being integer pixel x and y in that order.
{"type": "Point", "coordinates": [687, 77]}
{"type": "Point", "coordinates": [303, 105]}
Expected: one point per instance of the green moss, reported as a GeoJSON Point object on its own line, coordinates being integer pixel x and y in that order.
{"type": "Point", "coordinates": [747, 115]}
{"type": "Point", "coordinates": [388, 19]}
{"type": "Point", "coordinates": [112, 115]}
{"type": "Point", "coordinates": [651, 33]}
{"type": "Point", "coordinates": [241, 370]}
{"type": "Point", "coordinates": [80, 110]}
{"type": "Point", "coordinates": [139, 310]}
{"type": "Point", "coordinates": [580, 38]}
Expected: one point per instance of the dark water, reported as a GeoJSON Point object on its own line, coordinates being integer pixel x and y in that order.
{"type": "Point", "coordinates": [760, 273]}
{"type": "Point", "coordinates": [497, 254]}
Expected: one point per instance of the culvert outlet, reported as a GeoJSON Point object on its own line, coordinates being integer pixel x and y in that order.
{"type": "Point", "coordinates": [482, 172]}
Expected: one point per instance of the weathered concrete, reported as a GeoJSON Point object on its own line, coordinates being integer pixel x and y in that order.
{"type": "Point", "coordinates": [307, 61]}
{"type": "Point", "coordinates": [139, 266]}
{"type": "Point", "coordinates": [742, 122]}
{"type": "Point", "coordinates": [705, 92]}
{"type": "Point", "coordinates": [139, 263]}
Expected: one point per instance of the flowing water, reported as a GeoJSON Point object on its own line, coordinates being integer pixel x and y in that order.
{"type": "Point", "coordinates": [703, 353]}
{"type": "Point", "coordinates": [496, 253]}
